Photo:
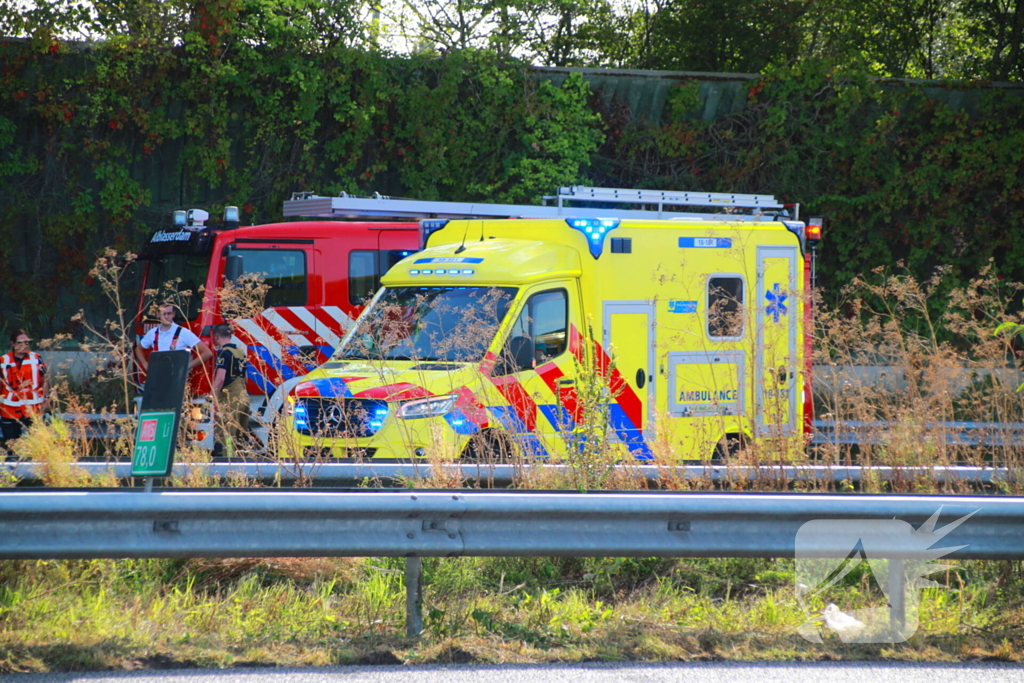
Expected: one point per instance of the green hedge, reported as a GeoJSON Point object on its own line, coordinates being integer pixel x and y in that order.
{"type": "Point", "coordinates": [99, 144]}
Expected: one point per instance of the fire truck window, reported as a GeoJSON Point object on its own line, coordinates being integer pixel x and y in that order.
{"type": "Point", "coordinates": [393, 257]}
{"type": "Point", "coordinates": [191, 268]}
{"type": "Point", "coordinates": [725, 307]}
{"type": "Point", "coordinates": [365, 269]}
{"type": "Point", "coordinates": [544, 320]}
{"type": "Point", "coordinates": [283, 269]}
{"type": "Point", "coordinates": [363, 279]}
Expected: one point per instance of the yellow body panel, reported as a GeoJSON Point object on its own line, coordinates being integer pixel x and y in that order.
{"type": "Point", "coordinates": [689, 333]}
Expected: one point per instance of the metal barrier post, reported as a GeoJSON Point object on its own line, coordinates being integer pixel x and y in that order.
{"type": "Point", "coordinates": [897, 596]}
{"type": "Point", "coordinates": [413, 596]}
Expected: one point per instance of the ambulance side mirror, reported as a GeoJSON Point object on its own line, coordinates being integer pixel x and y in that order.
{"type": "Point", "coordinates": [516, 356]}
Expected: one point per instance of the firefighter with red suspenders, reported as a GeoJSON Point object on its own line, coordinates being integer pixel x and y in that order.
{"type": "Point", "coordinates": [169, 336]}
{"type": "Point", "coordinates": [24, 387]}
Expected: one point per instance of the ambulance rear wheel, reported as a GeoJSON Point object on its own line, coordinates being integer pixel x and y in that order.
{"type": "Point", "coordinates": [489, 446]}
{"type": "Point", "coordinates": [728, 448]}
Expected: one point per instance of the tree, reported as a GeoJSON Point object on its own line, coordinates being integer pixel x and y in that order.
{"type": "Point", "coordinates": [721, 35]}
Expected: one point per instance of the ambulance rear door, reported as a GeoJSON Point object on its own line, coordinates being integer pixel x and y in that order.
{"type": "Point", "coordinates": [775, 351]}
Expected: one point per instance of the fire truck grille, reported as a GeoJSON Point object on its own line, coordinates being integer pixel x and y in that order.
{"type": "Point", "coordinates": [351, 418]}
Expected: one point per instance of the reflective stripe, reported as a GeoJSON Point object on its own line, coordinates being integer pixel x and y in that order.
{"type": "Point", "coordinates": [274, 336]}
{"type": "Point", "coordinates": [285, 329]}
{"type": "Point", "coordinates": [17, 399]}
{"type": "Point", "coordinates": [321, 329]}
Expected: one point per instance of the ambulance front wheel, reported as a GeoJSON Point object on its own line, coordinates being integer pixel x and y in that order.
{"type": "Point", "coordinates": [489, 446]}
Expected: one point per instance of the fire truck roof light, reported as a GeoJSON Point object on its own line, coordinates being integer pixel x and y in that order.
{"type": "Point", "coordinates": [179, 219]}
{"type": "Point", "coordinates": [814, 228]}
{"type": "Point", "coordinates": [231, 214]}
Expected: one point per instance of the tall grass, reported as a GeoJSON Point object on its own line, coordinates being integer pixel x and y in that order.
{"type": "Point", "coordinates": [942, 363]}
{"type": "Point", "coordinates": [930, 359]}
{"type": "Point", "coordinates": [923, 355]}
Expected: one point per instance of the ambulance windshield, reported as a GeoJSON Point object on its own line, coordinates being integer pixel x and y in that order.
{"type": "Point", "coordinates": [430, 324]}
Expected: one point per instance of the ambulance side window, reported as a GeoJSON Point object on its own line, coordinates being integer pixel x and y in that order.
{"type": "Point", "coordinates": [725, 307]}
{"type": "Point", "coordinates": [362, 276]}
{"type": "Point", "coordinates": [540, 332]}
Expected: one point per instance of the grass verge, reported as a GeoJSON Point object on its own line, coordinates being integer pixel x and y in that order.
{"type": "Point", "coordinates": [126, 614]}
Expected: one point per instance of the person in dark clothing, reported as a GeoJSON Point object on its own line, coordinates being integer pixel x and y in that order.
{"type": "Point", "coordinates": [231, 398]}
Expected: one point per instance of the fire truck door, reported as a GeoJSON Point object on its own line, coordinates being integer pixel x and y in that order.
{"type": "Point", "coordinates": [276, 330]}
{"type": "Point", "coordinates": [775, 355]}
{"type": "Point", "coordinates": [629, 346]}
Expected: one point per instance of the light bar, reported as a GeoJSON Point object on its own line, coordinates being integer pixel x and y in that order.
{"type": "Point", "coordinates": [595, 230]}
{"type": "Point", "coordinates": [442, 271]}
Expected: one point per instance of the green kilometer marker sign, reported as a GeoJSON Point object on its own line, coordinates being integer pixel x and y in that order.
{"type": "Point", "coordinates": [154, 444]}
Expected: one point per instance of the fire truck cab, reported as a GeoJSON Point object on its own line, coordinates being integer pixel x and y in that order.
{"type": "Point", "coordinates": [691, 330]}
{"type": "Point", "coordinates": [320, 273]}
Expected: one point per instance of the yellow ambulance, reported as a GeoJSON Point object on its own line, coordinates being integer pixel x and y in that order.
{"type": "Point", "coordinates": [681, 338]}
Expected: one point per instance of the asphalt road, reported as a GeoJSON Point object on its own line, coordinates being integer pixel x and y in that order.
{"type": "Point", "coordinates": [701, 672]}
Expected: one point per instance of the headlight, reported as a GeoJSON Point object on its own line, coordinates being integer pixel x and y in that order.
{"type": "Point", "coordinates": [434, 406]}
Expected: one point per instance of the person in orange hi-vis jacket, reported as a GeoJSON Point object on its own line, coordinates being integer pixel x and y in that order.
{"type": "Point", "coordinates": [24, 387]}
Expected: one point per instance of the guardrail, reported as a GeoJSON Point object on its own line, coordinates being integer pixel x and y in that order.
{"type": "Point", "coordinates": [975, 434]}
{"type": "Point", "coordinates": [336, 474]}
{"type": "Point", "coordinates": [99, 425]}
{"type": "Point", "coordinates": [844, 432]}
{"type": "Point", "coordinates": [414, 524]}
{"type": "Point", "coordinates": [262, 523]}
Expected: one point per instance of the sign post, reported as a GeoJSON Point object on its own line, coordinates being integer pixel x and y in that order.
{"type": "Point", "coordinates": [160, 415]}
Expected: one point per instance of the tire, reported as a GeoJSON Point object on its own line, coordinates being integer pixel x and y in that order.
{"type": "Point", "coordinates": [490, 446]}
{"type": "Point", "coordinates": [728, 448]}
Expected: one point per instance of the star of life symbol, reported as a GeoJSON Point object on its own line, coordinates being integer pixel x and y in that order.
{"type": "Point", "coordinates": [898, 558]}
{"type": "Point", "coordinates": [776, 302]}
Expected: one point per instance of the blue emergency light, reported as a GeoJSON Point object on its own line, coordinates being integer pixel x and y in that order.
{"type": "Point", "coordinates": [595, 230]}
{"type": "Point", "coordinates": [377, 419]}
{"type": "Point", "coordinates": [301, 417]}
{"type": "Point", "coordinates": [428, 227]}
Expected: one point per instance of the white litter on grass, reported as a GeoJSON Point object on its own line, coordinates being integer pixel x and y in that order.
{"type": "Point", "coordinates": [841, 622]}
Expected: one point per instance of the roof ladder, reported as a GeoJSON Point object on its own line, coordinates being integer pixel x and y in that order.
{"type": "Point", "coordinates": [570, 202]}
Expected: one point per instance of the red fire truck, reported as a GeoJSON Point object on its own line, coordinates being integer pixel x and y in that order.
{"type": "Point", "coordinates": [319, 272]}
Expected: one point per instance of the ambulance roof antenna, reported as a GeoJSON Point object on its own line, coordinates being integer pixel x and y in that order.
{"type": "Point", "coordinates": [462, 247]}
